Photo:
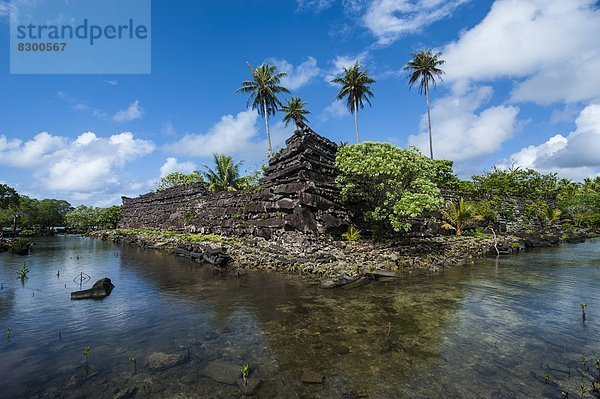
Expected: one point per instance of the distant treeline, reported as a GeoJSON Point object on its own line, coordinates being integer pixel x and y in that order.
{"type": "Point", "coordinates": [19, 212]}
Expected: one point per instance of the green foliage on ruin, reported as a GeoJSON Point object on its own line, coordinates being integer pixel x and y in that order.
{"type": "Point", "coordinates": [388, 185]}
{"type": "Point", "coordinates": [176, 179]}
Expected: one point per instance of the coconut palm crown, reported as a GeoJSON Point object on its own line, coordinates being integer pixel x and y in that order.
{"type": "Point", "coordinates": [225, 176]}
{"type": "Point", "coordinates": [356, 87]}
{"type": "Point", "coordinates": [263, 90]}
{"type": "Point", "coordinates": [422, 70]}
{"type": "Point", "coordinates": [294, 111]}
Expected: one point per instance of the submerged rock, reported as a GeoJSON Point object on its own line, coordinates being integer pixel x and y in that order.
{"type": "Point", "coordinates": [162, 361]}
{"type": "Point", "coordinates": [311, 377]}
{"type": "Point", "coordinates": [223, 372]}
{"type": "Point", "coordinates": [101, 289]}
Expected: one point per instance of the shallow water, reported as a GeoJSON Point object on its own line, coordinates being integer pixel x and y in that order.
{"type": "Point", "coordinates": [491, 330]}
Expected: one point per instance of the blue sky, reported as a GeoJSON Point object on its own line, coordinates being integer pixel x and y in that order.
{"type": "Point", "coordinates": [521, 88]}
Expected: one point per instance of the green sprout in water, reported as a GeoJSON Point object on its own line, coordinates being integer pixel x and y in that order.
{"type": "Point", "coordinates": [582, 390]}
{"type": "Point", "coordinates": [8, 333]}
{"type": "Point", "coordinates": [86, 353]}
{"type": "Point", "coordinates": [546, 378]}
{"type": "Point", "coordinates": [245, 373]}
{"type": "Point", "coordinates": [565, 395]}
{"type": "Point", "coordinates": [583, 306]}
{"type": "Point", "coordinates": [23, 272]}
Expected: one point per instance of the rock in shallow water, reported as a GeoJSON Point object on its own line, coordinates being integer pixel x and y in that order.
{"type": "Point", "coordinates": [162, 361]}
{"type": "Point", "coordinates": [311, 377]}
{"type": "Point", "coordinates": [101, 289]}
{"type": "Point", "coordinates": [223, 372]}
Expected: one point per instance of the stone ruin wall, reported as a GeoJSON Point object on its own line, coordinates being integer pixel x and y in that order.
{"type": "Point", "coordinates": [297, 192]}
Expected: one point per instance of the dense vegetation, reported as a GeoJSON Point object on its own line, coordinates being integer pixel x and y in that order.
{"type": "Point", "coordinates": [30, 215]}
{"type": "Point", "coordinates": [388, 187]}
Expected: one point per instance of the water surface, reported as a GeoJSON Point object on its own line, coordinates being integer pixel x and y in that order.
{"type": "Point", "coordinates": [491, 330]}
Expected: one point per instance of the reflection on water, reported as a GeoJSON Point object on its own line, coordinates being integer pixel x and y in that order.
{"type": "Point", "coordinates": [491, 330]}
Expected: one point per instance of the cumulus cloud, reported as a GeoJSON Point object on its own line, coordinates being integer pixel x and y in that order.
{"type": "Point", "coordinates": [37, 151]}
{"type": "Point", "coordinates": [84, 165]}
{"type": "Point", "coordinates": [234, 135]}
{"type": "Point", "coordinates": [550, 45]}
{"type": "Point", "coordinates": [576, 155]}
{"type": "Point", "coordinates": [173, 165]}
{"type": "Point", "coordinates": [133, 112]}
{"type": "Point", "coordinates": [389, 20]}
{"type": "Point", "coordinates": [462, 129]}
{"type": "Point", "coordinates": [297, 76]}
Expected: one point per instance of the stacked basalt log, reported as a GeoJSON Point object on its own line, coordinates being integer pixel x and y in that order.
{"type": "Point", "coordinates": [298, 192]}
{"type": "Point", "coordinates": [170, 208]}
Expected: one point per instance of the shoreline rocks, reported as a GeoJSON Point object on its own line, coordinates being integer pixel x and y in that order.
{"type": "Point", "coordinates": [333, 262]}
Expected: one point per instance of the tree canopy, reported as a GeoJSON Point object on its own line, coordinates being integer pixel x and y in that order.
{"type": "Point", "coordinates": [387, 184]}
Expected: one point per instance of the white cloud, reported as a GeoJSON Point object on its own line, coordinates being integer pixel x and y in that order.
{"type": "Point", "coordinates": [315, 6]}
{"type": "Point", "coordinates": [113, 82]}
{"type": "Point", "coordinates": [336, 110]}
{"type": "Point", "coordinates": [133, 112]}
{"type": "Point", "coordinates": [86, 164]}
{"type": "Point", "coordinates": [389, 20]}
{"type": "Point", "coordinates": [173, 165]}
{"type": "Point", "coordinates": [297, 76]}
{"type": "Point", "coordinates": [462, 130]}
{"type": "Point", "coordinates": [344, 61]}
{"type": "Point", "coordinates": [575, 156]}
{"type": "Point", "coordinates": [233, 135]}
{"type": "Point", "coordinates": [550, 44]}
{"type": "Point", "coordinates": [16, 153]}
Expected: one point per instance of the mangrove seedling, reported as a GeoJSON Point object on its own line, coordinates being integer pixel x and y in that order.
{"type": "Point", "coordinates": [582, 390]}
{"type": "Point", "coordinates": [23, 272]}
{"type": "Point", "coordinates": [8, 333]}
{"type": "Point", "coordinates": [245, 373]}
{"type": "Point", "coordinates": [565, 395]}
{"type": "Point", "coordinates": [598, 367]}
{"type": "Point", "coordinates": [86, 353]}
{"type": "Point", "coordinates": [133, 360]}
{"type": "Point", "coordinates": [546, 378]}
{"type": "Point", "coordinates": [583, 306]}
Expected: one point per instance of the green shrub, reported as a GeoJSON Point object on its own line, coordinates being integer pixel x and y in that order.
{"type": "Point", "coordinates": [386, 184]}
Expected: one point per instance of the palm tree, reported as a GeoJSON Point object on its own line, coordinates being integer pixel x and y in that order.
{"type": "Point", "coordinates": [225, 176]}
{"type": "Point", "coordinates": [355, 85]}
{"type": "Point", "coordinates": [294, 111]}
{"type": "Point", "coordinates": [459, 216]}
{"type": "Point", "coordinates": [263, 90]}
{"type": "Point", "coordinates": [424, 68]}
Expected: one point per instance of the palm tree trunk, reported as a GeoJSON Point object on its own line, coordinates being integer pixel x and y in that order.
{"type": "Point", "coordinates": [267, 128]}
{"type": "Point", "coordinates": [356, 121]}
{"type": "Point", "coordinates": [429, 120]}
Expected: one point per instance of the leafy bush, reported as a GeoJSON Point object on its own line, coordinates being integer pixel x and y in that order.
{"type": "Point", "coordinates": [386, 184]}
